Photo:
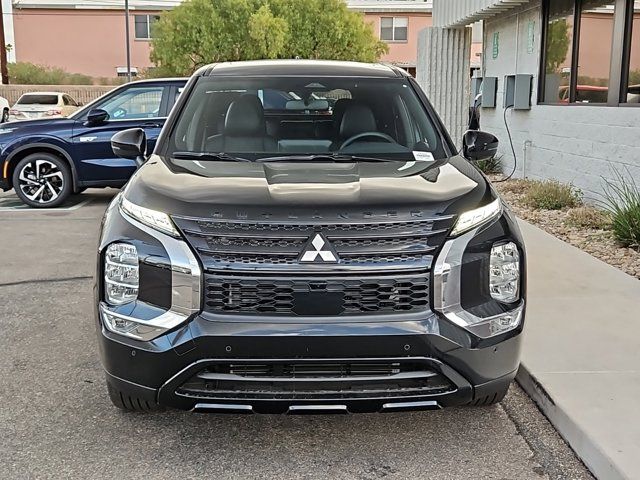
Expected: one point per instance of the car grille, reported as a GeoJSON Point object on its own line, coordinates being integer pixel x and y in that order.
{"type": "Point", "coordinates": [315, 379]}
{"type": "Point", "coordinates": [316, 297]}
{"type": "Point", "coordinates": [247, 245]}
{"type": "Point", "coordinates": [253, 268]}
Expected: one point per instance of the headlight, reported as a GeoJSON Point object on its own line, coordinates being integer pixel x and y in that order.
{"type": "Point", "coordinates": [504, 273]}
{"type": "Point", "coordinates": [152, 218]}
{"type": "Point", "coordinates": [121, 273]}
{"type": "Point", "coordinates": [473, 218]}
{"type": "Point", "coordinates": [504, 286]}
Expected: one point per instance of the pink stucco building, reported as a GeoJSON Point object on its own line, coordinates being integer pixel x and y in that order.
{"type": "Point", "coordinates": [89, 36]}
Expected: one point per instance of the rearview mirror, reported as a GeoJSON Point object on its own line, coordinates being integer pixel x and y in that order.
{"type": "Point", "coordinates": [97, 116]}
{"type": "Point", "coordinates": [478, 145]}
{"type": "Point", "coordinates": [131, 144]}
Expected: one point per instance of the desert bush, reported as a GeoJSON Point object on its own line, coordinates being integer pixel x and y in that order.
{"type": "Point", "coordinates": [492, 165]}
{"type": "Point", "coordinates": [589, 217]}
{"type": "Point", "coordinates": [25, 73]}
{"type": "Point", "coordinates": [551, 195]}
{"type": "Point", "coordinates": [518, 186]}
{"type": "Point", "coordinates": [622, 200]}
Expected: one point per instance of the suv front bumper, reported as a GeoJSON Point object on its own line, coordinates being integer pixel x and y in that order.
{"type": "Point", "coordinates": [433, 370]}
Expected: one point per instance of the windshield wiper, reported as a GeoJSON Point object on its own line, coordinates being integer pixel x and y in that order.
{"type": "Point", "coordinates": [335, 158]}
{"type": "Point", "coordinates": [214, 157]}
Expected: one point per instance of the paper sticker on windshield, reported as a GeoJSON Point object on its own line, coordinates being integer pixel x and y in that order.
{"type": "Point", "coordinates": [423, 156]}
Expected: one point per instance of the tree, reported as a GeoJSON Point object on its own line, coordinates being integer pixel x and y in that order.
{"type": "Point", "coordinates": [557, 45]}
{"type": "Point", "coordinates": [199, 32]}
{"type": "Point", "coordinates": [268, 33]}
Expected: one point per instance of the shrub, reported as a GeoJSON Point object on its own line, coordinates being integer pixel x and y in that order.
{"type": "Point", "coordinates": [552, 195]}
{"type": "Point", "coordinates": [517, 185]}
{"type": "Point", "coordinates": [492, 165]}
{"type": "Point", "coordinates": [25, 73]}
{"type": "Point", "coordinates": [589, 217]}
{"type": "Point", "coordinates": [622, 200]}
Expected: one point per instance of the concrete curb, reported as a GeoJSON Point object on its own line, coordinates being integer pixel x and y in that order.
{"type": "Point", "coordinates": [585, 447]}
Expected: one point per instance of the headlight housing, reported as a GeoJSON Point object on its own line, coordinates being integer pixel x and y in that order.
{"type": "Point", "coordinates": [152, 218]}
{"type": "Point", "coordinates": [150, 285]}
{"type": "Point", "coordinates": [472, 218]}
{"type": "Point", "coordinates": [477, 282]}
{"type": "Point", "coordinates": [121, 273]}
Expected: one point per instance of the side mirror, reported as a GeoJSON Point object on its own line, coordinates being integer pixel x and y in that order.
{"type": "Point", "coordinates": [478, 145]}
{"type": "Point", "coordinates": [131, 144]}
{"type": "Point", "coordinates": [97, 116]}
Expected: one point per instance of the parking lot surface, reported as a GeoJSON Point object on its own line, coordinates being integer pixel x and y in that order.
{"type": "Point", "coordinates": [56, 420]}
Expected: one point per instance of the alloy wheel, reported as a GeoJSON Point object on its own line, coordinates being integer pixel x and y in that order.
{"type": "Point", "coordinates": [41, 181]}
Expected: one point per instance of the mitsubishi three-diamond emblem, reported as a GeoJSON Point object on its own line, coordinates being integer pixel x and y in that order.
{"type": "Point", "coordinates": [318, 250]}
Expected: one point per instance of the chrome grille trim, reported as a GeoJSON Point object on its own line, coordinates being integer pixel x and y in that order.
{"type": "Point", "coordinates": [245, 245]}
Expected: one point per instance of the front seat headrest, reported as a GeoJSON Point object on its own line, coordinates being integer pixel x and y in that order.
{"type": "Point", "coordinates": [357, 119]}
{"type": "Point", "coordinates": [245, 117]}
{"type": "Point", "coordinates": [339, 108]}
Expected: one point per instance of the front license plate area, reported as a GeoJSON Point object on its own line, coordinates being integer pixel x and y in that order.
{"type": "Point", "coordinates": [318, 302]}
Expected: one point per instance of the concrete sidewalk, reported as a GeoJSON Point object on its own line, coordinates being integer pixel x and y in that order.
{"type": "Point", "coordinates": [581, 357]}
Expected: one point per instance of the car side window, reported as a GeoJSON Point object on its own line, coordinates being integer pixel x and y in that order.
{"type": "Point", "coordinates": [137, 102]}
{"type": "Point", "coordinates": [176, 94]}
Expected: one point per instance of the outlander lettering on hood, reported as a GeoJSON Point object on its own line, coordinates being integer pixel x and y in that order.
{"type": "Point", "coordinates": [305, 238]}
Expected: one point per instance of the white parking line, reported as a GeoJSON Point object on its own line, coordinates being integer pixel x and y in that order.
{"type": "Point", "coordinates": [19, 206]}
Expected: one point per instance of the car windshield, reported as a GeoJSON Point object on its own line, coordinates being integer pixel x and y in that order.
{"type": "Point", "coordinates": [38, 100]}
{"type": "Point", "coordinates": [261, 117]}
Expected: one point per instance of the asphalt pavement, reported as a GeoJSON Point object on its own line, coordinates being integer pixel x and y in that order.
{"type": "Point", "coordinates": [57, 422]}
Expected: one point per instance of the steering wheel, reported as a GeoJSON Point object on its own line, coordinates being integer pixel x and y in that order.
{"type": "Point", "coordinates": [360, 136]}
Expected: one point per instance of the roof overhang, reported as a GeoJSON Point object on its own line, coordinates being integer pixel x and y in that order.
{"type": "Point", "coordinates": [459, 13]}
{"type": "Point", "coordinates": [368, 6]}
{"type": "Point", "coordinates": [396, 6]}
{"type": "Point", "coordinates": [150, 5]}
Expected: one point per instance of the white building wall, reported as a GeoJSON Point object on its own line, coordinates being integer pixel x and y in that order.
{"type": "Point", "coordinates": [576, 144]}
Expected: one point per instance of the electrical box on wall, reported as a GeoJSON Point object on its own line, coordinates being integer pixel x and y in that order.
{"type": "Point", "coordinates": [517, 91]}
{"type": "Point", "coordinates": [476, 89]}
{"type": "Point", "coordinates": [489, 92]}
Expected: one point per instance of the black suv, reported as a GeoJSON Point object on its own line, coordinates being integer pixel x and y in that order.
{"type": "Point", "coordinates": [305, 238]}
{"type": "Point", "coordinates": [45, 161]}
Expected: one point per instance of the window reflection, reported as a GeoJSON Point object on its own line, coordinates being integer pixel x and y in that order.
{"type": "Point", "coordinates": [558, 53]}
{"type": "Point", "coordinates": [594, 57]}
{"type": "Point", "coordinates": [633, 91]}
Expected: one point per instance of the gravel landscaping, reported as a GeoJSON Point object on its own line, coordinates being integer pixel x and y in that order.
{"type": "Point", "coordinates": [584, 227]}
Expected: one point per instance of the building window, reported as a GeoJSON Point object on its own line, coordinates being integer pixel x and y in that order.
{"type": "Point", "coordinates": [394, 29]}
{"type": "Point", "coordinates": [632, 79]}
{"type": "Point", "coordinates": [144, 26]}
{"type": "Point", "coordinates": [581, 39]}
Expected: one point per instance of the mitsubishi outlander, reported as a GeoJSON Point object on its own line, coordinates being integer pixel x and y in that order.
{"type": "Point", "coordinates": [306, 238]}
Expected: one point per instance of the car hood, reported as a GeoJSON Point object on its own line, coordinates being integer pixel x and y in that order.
{"type": "Point", "coordinates": [208, 189]}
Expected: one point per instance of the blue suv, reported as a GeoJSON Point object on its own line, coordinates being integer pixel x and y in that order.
{"type": "Point", "coordinates": [46, 161]}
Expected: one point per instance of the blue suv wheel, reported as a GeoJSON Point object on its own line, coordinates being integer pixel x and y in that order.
{"type": "Point", "coordinates": [42, 180]}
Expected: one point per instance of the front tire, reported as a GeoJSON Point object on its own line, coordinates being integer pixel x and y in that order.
{"type": "Point", "coordinates": [5, 115]}
{"type": "Point", "coordinates": [42, 180]}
